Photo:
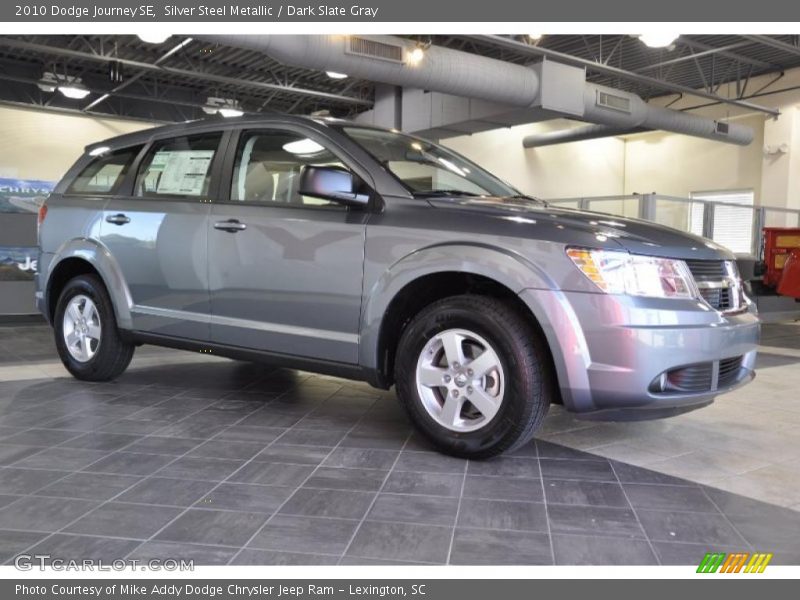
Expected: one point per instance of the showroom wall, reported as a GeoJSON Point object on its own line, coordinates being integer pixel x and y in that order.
{"type": "Point", "coordinates": [661, 162]}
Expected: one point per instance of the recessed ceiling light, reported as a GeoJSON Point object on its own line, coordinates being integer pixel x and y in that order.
{"type": "Point", "coordinates": [534, 37]}
{"type": "Point", "coordinates": [658, 39]}
{"type": "Point", "coordinates": [335, 75]}
{"type": "Point", "coordinates": [153, 37]}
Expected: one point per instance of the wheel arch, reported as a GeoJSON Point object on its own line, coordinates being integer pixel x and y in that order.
{"type": "Point", "coordinates": [432, 274]}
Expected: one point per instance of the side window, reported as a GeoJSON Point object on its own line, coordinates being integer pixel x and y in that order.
{"type": "Point", "coordinates": [268, 166]}
{"type": "Point", "coordinates": [105, 173]}
{"type": "Point", "coordinates": [178, 167]}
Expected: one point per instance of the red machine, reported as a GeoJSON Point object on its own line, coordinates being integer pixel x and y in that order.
{"type": "Point", "coordinates": [781, 256]}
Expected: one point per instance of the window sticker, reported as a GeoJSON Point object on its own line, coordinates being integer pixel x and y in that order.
{"type": "Point", "coordinates": [180, 172]}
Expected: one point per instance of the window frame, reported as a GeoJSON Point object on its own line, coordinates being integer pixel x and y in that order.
{"type": "Point", "coordinates": [214, 171]}
{"type": "Point", "coordinates": [226, 184]}
{"type": "Point", "coordinates": [132, 167]}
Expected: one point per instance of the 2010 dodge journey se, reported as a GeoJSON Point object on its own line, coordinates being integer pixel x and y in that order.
{"type": "Point", "coordinates": [365, 253]}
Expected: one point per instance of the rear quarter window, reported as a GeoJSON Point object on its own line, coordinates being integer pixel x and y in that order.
{"type": "Point", "coordinates": [105, 173]}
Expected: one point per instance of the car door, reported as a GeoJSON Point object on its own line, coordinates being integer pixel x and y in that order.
{"type": "Point", "coordinates": [285, 270]}
{"type": "Point", "coordinates": [158, 236]}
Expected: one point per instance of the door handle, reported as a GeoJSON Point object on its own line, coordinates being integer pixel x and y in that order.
{"type": "Point", "coordinates": [118, 219]}
{"type": "Point", "coordinates": [231, 226]}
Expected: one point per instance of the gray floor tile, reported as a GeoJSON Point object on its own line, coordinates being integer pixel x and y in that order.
{"type": "Point", "coordinates": [402, 541]}
{"type": "Point", "coordinates": [426, 484]}
{"type": "Point", "coordinates": [272, 473]}
{"type": "Point", "coordinates": [101, 441]}
{"type": "Point", "coordinates": [668, 497]}
{"type": "Point", "coordinates": [505, 467]}
{"type": "Point", "coordinates": [209, 469]}
{"type": "Point", "coordinates": [80, 547]}
{"type": "Point", "coordinates": [633, 474]}
{"type": "Point", "coordinates": [11, 454]}
{"type": "Point", "coordinates": [576, 469]}
{"type": "Point", "coordinates": [586, 493]}
{"type": "Point", "coordinates": [488, 547]}
{"type": "Point", "coordinates": [593, 550]}
{"type": "Point", "coordinates": [340, 504]}
{"type": "Point", "coordinates": [368, 480]}
{"type": "Point", "coordinates": [41, 437]}
{"type": "Point", "coordinates": [167, 491]}
{"type": "Point", "coordinates": [296, 455]}
{"type": "Point", "coordinates": [164, 445]}
{"type": "Point", "coordinates": [595, 520]}
{"type": "Point", "coordinates": [550, 450]}
{"type": "Point", "coordinates": [130, 463]}
{"type": "Point", "coordinates": [116, 519]}
{"type": "Point", "coordinates": [26, 481]}
{"type": "Point", "coordinates": [245, 497]}
{"type": "Point", "coordinates": [201, 555]}
{"type": "Point", "coordinates": [676, 553]}
{"type": "Point", "coordinates": [361, 458]}
{"type": "Point", "coordinates": [503, 488]}
{"type": "Point", "coordinates": [65, 459]}
{"type": "Point", "coordinates": [43, 514]}
{"type": "Point", "coordinates": [414, 509]}
{"type": "Point", "coordinates": [91, 486]}
{"type": "Point", "coordinates": [254, 557]}
{"type": "Point", "coordinates": [305, 535]}
{"type": "Point", "coordinates": [227, 449]}
{"type": "Point", "coordinates": [502, 514]}
{"type": "Point", "coordinates": [311, 437]}
{"type": "Point", "coordinates": [245, 433]}
{"type": "Point", "coordinates": [429, 462]}
{"type": "Point", "coordinates": [217, 528]}
{"type": "Point", "coordinates": [667, 526]}
{"type": "Point", "coordinates": [14, 542]}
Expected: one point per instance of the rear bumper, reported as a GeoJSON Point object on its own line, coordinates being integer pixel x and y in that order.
{"type": "Point", "coordinates": [613, 354]}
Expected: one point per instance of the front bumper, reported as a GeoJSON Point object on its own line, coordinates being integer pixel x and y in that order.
{"type": "Point", "coordinates": [612, 353]}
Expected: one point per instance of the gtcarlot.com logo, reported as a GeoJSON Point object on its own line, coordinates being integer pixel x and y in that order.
{"type": "Point", "coordinates": [736, 562]}
{"type": "Point", "coordinates": [29, 562]}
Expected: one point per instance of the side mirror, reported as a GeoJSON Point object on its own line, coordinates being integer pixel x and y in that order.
{"type": "Point", "coordinates": [331, 183]}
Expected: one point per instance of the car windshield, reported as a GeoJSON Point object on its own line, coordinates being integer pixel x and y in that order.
{"type": "Point", "coordinates": [425, 168]}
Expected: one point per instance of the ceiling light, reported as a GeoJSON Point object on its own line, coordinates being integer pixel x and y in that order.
{"type": "Point", "coordinates": [415, 55]}
{"type": "Point", "coordinates": [304, 146]}
{"type": "Point", "coordinates": [658, 39]}
{"type": "Point", "coordinates": [153, 37]}
{"type": "Point", "coordinates": [230, 112]}
{"type": "Point", "coordinates": [335, 75]}
{"type": "Point", "coordinates": [534, 37]}
{"type": "Point", "coordinates": [74, 90]}
{"type": "Point", "coordinates": [99, 150]}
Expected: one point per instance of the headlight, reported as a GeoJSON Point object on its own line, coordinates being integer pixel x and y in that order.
{"type": "Point", "coordinates": [622, 273]}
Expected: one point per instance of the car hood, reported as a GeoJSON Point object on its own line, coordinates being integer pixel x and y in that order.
{"type": "Point", "coordinates": [634, 235]}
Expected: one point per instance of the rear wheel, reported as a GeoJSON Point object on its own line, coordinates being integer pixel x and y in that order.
{"type": "Point", "coordinates": [87, 338]}
{"type": "Point", "coordinates": [472, 374]}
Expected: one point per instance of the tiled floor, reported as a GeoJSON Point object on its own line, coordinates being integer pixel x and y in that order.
{"type": "Point", "coordinates": [224, 462]}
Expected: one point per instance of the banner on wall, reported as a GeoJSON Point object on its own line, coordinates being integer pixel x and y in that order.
{"type": "Point", "coordinates": [23, 195]}
{"type": "Point", "coordinates": [18, 264]}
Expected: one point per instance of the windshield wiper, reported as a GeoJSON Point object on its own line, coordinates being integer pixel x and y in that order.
{"type": "Point", "coordinates": [526, 197]}
{"type": "Point", "coordinates": [446, 193]}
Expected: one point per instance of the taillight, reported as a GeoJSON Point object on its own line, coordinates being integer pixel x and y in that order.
{"type": "Point", "coordinates": [42, 214]}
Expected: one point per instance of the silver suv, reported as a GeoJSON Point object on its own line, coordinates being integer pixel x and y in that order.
{"type": "Point", "coordinates": [364, 253]}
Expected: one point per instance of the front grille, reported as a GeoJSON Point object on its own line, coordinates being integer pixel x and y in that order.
{"type": "Point", "coordinates": [709, 270]}
{"type": "Point", "coordinates": [721, 299]}
{"type": "Point", "coordinates": [729, 371]}
{"type": "Point", "coordinates": [716, 281]}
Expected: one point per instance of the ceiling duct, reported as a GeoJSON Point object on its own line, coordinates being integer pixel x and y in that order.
{"type": "Point", "coordinates": [556, 87]}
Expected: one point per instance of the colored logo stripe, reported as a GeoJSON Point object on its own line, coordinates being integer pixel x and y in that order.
{"type": "Point", "coordinates": [714, 562]}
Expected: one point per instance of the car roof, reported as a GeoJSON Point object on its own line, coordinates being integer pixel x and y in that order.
{"type": "Point", "coordinates": [187, 127]}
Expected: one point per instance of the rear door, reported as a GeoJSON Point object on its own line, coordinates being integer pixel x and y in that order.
{"type": "Point", "coordinates": [285, 270]}
{"type": "Point", "coordinates": [158, 235]}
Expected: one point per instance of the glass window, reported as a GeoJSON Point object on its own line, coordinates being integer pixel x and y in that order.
{"type": "Point", "coordinates": [268, 166]}
{"type": "Point", "coordinates": [178, 167]}
{"type": "Point", "coordinates": [733, 218]}
{"type": "Point", "coordinates": [426, 168]}
{"type": "Point", "coordinates": [105, 173]}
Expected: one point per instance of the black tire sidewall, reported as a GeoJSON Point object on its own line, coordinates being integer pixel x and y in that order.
{"type": "Point", "coordinates": [507, 425]}
{"type": "Point", "coordinates": [91, 287]}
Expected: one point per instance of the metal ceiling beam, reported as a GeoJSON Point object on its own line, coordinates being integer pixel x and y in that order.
{"type": "Point", "coordinates": [777, 44]}
{"type": "Point", "coordinates": [686, 41]}
{"type": "Point", "coordinates": [510, 44]}
{"type": "Point", "coordinates": [694, 55]}
{"type": "Point", "coordinates": [104, 58]}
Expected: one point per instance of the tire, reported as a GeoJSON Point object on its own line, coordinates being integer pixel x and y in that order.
{"type": "Point", "coordinates": [101, 355]}
{"type": "Point", "coordinates": [519, 388]}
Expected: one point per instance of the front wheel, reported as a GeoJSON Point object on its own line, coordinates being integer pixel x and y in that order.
{"type": "Point", "coordinates": [472, 373]}
{"type": "Point", "coordinates": [87, 338]}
